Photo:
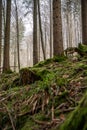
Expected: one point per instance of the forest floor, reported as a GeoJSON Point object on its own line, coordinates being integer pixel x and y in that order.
{"type": "Point", "coordinates": [41, 97]}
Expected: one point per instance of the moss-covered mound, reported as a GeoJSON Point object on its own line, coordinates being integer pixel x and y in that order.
{"type": "Point", "coordinates": [8, 81]}
{"type": "Point", "coordinates": [77, 120]}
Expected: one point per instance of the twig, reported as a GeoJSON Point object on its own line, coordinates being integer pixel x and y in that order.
{"type": "Point", "coordinates": [70, 101]}
{"type": "Point", "coordinates": [42, 122]}
{"type": "Point", "coordinates": [83, 87]}
{"type": "Point", "coordinates": [2, 110]}
{"type": "Point", "coordinates": [10, 117]}
{"type": "Point", "coordinates": [7, 97]}
{"type": "Point", "coordinates": [67, 110]}
{"type": "Point", "coordinates": [61, 105]}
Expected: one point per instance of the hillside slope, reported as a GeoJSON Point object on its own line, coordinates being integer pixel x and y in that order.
{"type": "Point", "coordinates": [40, 98]}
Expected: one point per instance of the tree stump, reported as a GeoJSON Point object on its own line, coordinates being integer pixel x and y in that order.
{"type": "Point", "coordinates": [28, 76]}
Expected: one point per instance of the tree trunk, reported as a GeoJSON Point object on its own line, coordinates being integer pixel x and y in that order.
{"type": "Point", "coordinates": [35, 46]}
{"type": "Point", "coordinates": [84, 21]}
{"type": "Point", "coordinates": [14, 41]}
{"type": "Point", "coordinates": [0, 30]}
{"type": "Point", "coordinates": [6, 65]}
{"type": "Point", "coordinates": [4, 13]}
{"type": "Point", "coordinates": [51, 27]}
{"type": "Point", "coordinates": [41, 32]}
{"type": "Point", "coordinates": [45, 37]}
{"type": "Point", "coordinates": [17, 33]}
{"type": "Point", "coordinates": [57, 28]}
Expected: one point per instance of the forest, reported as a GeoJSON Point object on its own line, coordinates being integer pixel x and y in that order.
{"type": "Point", "coordinates": [43, 64]}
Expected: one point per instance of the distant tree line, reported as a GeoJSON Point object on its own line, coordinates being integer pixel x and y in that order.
{"type": "Point", "coordinates": [42, 33]}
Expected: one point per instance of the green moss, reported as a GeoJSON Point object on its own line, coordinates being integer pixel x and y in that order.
{"type": "Point", "coordinates": [8, 71]}
{"type": "Point", "coordinates": [41, 72]}
{"type": "Point", "coordinates": [48, 61]}
{"type": "Point", "coordinates": [26, 123]}
{"type": "Point", "coordinates": [57, 72]}
{"type": "Point", "coordinates": [59, 58]}
{"type": "Point", "coordinates": [30, 125]}
{"type": "Point", "coordinates": [21, 122]}
{"type": "Point", "coordinates": [41, 117]}
{"type": "Point", "coordinates": [82, 49]}
{"type": "Point", "coordinates": [83, 66]}
{"type": "Point", "coordinates": [61, 81]}
{"type": "Point", "coordinates": [77, 120]}
{"type": "Point", "coordinates": [85, 73]}
{"type": "Point", "coordinates": [42, 63]}
{"type": "Point", "coordinates": [6, 81]}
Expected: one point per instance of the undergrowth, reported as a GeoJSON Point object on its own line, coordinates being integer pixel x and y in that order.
{"type": "Point", "coordinates": [55, 83]}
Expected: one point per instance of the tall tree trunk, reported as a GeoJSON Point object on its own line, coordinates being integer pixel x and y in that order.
{"type": "Point", "coordinates": [4, 12]}
{"type": "Point", "coordinates": [35, 46]}
{"type": "Point", "coordinates": [0, 30]}
{"type": "Point", "coordinates": [84, 21]}
{"type": "Point", "coordinates": [15, 47]}
{"type": "Point", "coordinates": [45, 37]}
{"type": "Point", "coordinates": [57, 28]}
{"type": "Point", "coordinates": [41, 32]}
{"type": "Point", "coordinates": [38, 36]}
{"type": "Point", "coordinates": [17, 32]}
{"type": "Point", "coordinates": [39, 44]}
{"type": "Point", "coordinates": [6, 64]}
{"type": "Point", "coordinates": [27, 54]}
{"type": "Point", "coordinates": [51, 27]}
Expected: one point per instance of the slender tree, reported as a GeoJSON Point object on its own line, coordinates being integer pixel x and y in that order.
{"type": "Point", "coordinates": [6, 63]}
{"type": "Point", "coordinates": [51, 27]}
{"type": "Point", "coordinates": [17, 32]}
{"type": "Point", "coordinates": [0, 30]}
{"type": "Point", "coordinates": [84, 21]}
{"type": "Point", "coordinates": [41, 32]}
{"type": "Point", "coordinates": [15, 53]}
{"type": "Point", "coordinates": [57, 28]}
{"type": "Point", "coordinates": [4, 12]}
{"type": "Point", "coordinates": [35, 46]}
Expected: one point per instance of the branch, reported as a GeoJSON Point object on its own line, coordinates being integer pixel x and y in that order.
{"type": "Point", "coordinates": [10, 117]}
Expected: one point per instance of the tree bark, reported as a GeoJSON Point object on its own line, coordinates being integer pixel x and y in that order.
{"type": "Point", "coordinates": [17, 33]}
{"type": "Point", "coordinates": [84, 21]}
{"type": "Point", "coordinates": [41, 32]}
{"type": "Point", "coordinates": [14, 41]}
{"type": "Point", "coordinates": [6, 64]}
{"type": "Point", "coordinates": [51, 27]}
{"type": "Point", "coordinates": [35, 46]}
{"type": "Point", "coordinates": [0, 30]}
{"type": "Point", "coordinates": [57, 28]}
